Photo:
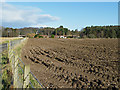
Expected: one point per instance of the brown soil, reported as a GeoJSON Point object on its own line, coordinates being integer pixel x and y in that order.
{"type": "Point", "coordinates": [73, 63]}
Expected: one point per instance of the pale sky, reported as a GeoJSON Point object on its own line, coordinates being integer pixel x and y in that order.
{"type": "Point", "coordinates": [73, 15]}
{"type": "Point", "coordinates": [59, 0]}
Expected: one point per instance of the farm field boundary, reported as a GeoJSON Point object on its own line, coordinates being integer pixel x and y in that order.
{"type": "Point", "coordinates": [5, 39]}
{"type": "Point", "coordinates": [73, 63]}
{"type": "Point", "coordinates": [22, 77]}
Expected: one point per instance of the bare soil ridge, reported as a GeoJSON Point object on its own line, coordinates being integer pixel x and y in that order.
{"type": "Point", "coordinates": [73, 63]}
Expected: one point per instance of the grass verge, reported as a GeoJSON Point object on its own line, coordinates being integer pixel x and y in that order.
{"type": "Point", "coordinates": [6, 71]}
{"type": "Point", "coordinates": [7, 81]}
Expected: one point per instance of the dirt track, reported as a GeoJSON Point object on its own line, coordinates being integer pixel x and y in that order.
{"type": "Point", "coordinates": [72, 63]}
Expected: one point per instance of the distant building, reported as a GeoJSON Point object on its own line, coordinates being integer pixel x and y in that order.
{"type": "Point", "coordinates": [22, 36]}
{"type": "Point", "coordinates": [62, 37]}
{"type": "Point", "coordinates": [75, 36]}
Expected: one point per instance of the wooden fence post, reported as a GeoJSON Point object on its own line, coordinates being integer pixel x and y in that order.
{"type": "Point", "coordinates": [10, 56]}
{"type": "Point", "coordinates": [8, 46]}
{"type": "Point", "coordinates": [16, 71]}
{"type": "Point", "coordinates": [10, 53]}
{"type": "Point", "coordinates": [11, 60]}
{"type": "Point", "coordinates": [26, 76]}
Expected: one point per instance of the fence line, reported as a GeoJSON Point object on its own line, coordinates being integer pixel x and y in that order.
{"type": "Point", "coordinates": [22, 76]}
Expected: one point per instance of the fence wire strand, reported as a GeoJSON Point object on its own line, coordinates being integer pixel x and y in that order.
{"type": "Point", "coordinates": [20, 62]}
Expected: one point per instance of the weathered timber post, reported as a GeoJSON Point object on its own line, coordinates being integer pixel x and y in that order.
{"type": "Point", "coordinates": [26, 76]}
{"type": "Point", "coordinates": [8, 46]}
{"type": "Point", "coordinates": [11, 59]}
{"type": "Point", "coordinates": [16, 71]}
{"type": "Point", "coordinates": [10, 55]}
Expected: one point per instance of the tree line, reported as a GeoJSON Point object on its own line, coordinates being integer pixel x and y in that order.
{"type": "Point", "coordinates": [101, 32]}
{"type": "Point", "coordinates": [87, 32]}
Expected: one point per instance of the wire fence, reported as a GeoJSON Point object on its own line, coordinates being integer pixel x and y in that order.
{"type": "Point", "coordinates": [3, 47]}
{"type": "Point", "coordinates": [22, 76]}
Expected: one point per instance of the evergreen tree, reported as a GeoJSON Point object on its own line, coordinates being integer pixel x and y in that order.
{"type": "Point", "coordinates": [114, 35]}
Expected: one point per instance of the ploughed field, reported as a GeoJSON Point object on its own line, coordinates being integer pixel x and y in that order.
{"type": "Point", "coordinates": [73, 63]}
